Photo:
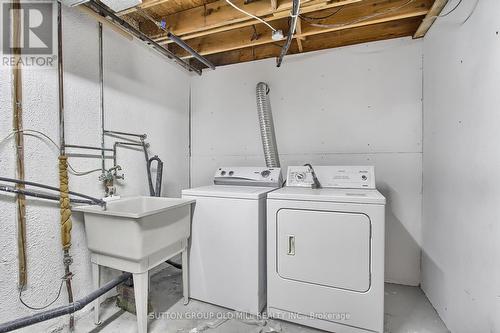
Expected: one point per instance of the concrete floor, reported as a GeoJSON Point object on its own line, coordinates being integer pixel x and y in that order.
{"type": "Point", "coordinates": [407, 310]}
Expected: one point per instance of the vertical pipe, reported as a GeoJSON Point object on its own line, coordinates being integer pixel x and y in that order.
{"type": "Point", "coordinates": [190, 136]}
{"type": "Point", "coordinates": [101, 96]}
{"type": "Point", "coordinates": [60, 71]}
{"type": "Point", "coordinates": [17, 98]}
{"type": "Point", "coordinates": [63, 172]}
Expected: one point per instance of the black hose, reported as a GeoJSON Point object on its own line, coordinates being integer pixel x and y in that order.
{"type": "Point", "coordinates": [52, 188]}
{"type": "Point", "coordinates": [153, 191]}
{"type": "Point", "coordinates": [174, 264]}
{"type": "Point", "coordinates": [315, 179]}
{"type": "Point", "coordinates": [156, 191]}
{"type": "Point", "coordinates": [148, 171]}
{"type": "Point", "coordinates": [63, 310]}
{"type": "Point", "coordinates": [41, 195]}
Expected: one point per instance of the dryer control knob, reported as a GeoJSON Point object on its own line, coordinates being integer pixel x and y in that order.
{"type": "Point", "coordinates": [265, 173]}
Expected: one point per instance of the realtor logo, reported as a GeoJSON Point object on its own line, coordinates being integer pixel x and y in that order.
{"type": "Point", "coordinates": [37, 32]}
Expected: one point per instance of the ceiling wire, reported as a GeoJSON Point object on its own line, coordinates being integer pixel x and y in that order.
{"type": "Point", "coordinates": [251, 15]}
{"type": "Point", "coordinates": [294, 15]}
{"type": "Point", "coordinates": [321, 17]}
{"type": "Point", "coordinates": [472, 12]}
{"type": "Point", "coordinates": [451, 10]}
{"type": "Point", "coordinates": [340, 25]}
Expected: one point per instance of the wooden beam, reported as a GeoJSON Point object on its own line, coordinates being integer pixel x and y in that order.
{"type": "Point", "coordinates": [347, 19]}
{"type": "Point", "coordinates": [17, 119]}
{"type": "Point", "coordinates": [145, 4]}
{"type": "Point", "coordinates": [429, 19]}
{"type": "Point", "coordinates": [219, 16]}
{"type": "Point", "coordinates": [381, 31]}
{"type": "Point", "coordinates": [298, 33]}
{"type": "Point", "coordinates": [274, 5]}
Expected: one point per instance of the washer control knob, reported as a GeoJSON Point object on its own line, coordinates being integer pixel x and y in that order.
{"type": "Point", "coordinates": [223, 173]}
{"type": "Point", "coordinates": [265, 173]}
{"type": "Point", "coordinates": [300, 176]}
{"type": "Point", "coordinates": [231, 173]}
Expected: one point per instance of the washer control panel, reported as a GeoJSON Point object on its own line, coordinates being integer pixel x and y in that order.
{"type": "Point", "coordinates": [332, 176]}
{"type": "Point", "coordinates": [299, 176]}
{"type": "Point", "coordinates": [249, 176]}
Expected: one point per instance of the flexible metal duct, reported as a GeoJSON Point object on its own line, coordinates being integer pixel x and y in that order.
{"type": "Point", "coordinates": [267, 126]}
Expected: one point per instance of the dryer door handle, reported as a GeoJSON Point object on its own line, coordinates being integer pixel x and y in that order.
{"type": "Point", "coordinates": [291, 245]}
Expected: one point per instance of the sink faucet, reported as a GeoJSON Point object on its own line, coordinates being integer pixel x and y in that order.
{"type": "Point", "coordinates": [108, 178]}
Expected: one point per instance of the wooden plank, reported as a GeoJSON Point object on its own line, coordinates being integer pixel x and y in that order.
{"type": "Point", "coordinates": [429, 19]}
{"type": "Point", "coordinates": [219, 16]}
{"type": "Point", "coordinates": [145, 4]}
{"type": "Point", "coordinates": [241, 38]}
{"type": "Point", "coordinates": [274, 5]}
{"type": "Point", "coordinates": [381, 31]}
{"type": "Point", "coordinates": [298, 35]}
{"type": "Point", "coordinates": [17, 106]}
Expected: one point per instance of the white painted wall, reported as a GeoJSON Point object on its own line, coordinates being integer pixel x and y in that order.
{"type": "Point", "coordinates": [353, 105]}
{"type": "Point", "coordinates": [461, 229]}
{"type": "Point", "coordinates": [143, 93]}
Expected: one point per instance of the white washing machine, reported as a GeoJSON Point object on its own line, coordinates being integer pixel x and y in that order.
{"type": "Point", "coordinates": [227, 254]}
{"type": "Point", "coordinates": [325, 250]}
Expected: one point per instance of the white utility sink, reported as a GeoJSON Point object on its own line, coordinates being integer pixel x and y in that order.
{"type": "Point", "coordinates": [136, 234]}
{"type": "Point", "coordinates": [136, 227]}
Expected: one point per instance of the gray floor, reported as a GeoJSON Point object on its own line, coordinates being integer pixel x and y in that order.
{"type": "Point", "coordinates": [407, 310]}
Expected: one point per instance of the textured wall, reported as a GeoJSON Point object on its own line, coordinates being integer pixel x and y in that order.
{"type": "Point", "coordinates": [461, 229]}
{"type": "Point", "coordinates": [353, 105]}
{"type": "Point", "coordinates": [143, 93]}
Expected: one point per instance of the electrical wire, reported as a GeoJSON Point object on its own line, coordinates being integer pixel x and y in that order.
{"type": "Point", "coordinates": [321, 17]}
{"type": "Point", "coordinates": [44, 306]}
{"type": "Point", "coordinates": [294, 15]}
{"type": "Point", "coordinates": [471, 13]}
{"type": "Point", "coordinates": [340, 25]}
{"type": "Point", "coordinates": [251, 15]}
{"type": "Point", "coordinates": [451, 10]}
{"type": "Point", "coordinates": [72, 170]}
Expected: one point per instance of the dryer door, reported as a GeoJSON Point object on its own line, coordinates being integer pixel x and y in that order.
{"type": "Point", "coordinates": [324, 248]}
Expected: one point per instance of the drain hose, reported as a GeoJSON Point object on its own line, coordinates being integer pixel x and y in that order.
{"type": "Point", "coordinates": [267, 126]}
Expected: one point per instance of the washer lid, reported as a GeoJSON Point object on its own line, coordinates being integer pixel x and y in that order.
{"type": "Point", "coordinates": [229, 191]}
{"type": "Point", "coordinates": [329, 194]}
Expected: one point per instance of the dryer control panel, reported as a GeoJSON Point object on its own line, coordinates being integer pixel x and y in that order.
{"type": "Point", "coordinates": [248, 176]}
{"type": "Point", "coordinates": [332, 176]}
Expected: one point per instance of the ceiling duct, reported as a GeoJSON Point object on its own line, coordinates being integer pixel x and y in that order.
{"type": "Point", "coordinates": [266, 125]}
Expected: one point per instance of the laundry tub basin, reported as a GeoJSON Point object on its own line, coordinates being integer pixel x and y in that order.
{"type": "Point", "coordinates": [135, 228]}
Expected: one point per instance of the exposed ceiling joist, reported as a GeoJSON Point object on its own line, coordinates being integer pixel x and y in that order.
{"type": "Point", "coordinates": [274, 5]}
{"type": "Point", "coordinates": [145, 4]}
{"type": "Point", "coordinates": [219, 16]}
{"type": "Point", "coordinates": [299, 37]}
{"type": "Point", "coordinates": [217, 30]}
{"type": "Point", "coordinates": [381, 31]}
{"type": "Point", "coordinates": [378, 11]}
{"type": "Point", "coordinates": [429, 19]}
{"type": "Point", "coordinates": [151, 4]}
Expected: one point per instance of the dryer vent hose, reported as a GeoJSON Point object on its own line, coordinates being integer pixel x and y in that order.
{"type": "Point", "coordinates": [267, 126]}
